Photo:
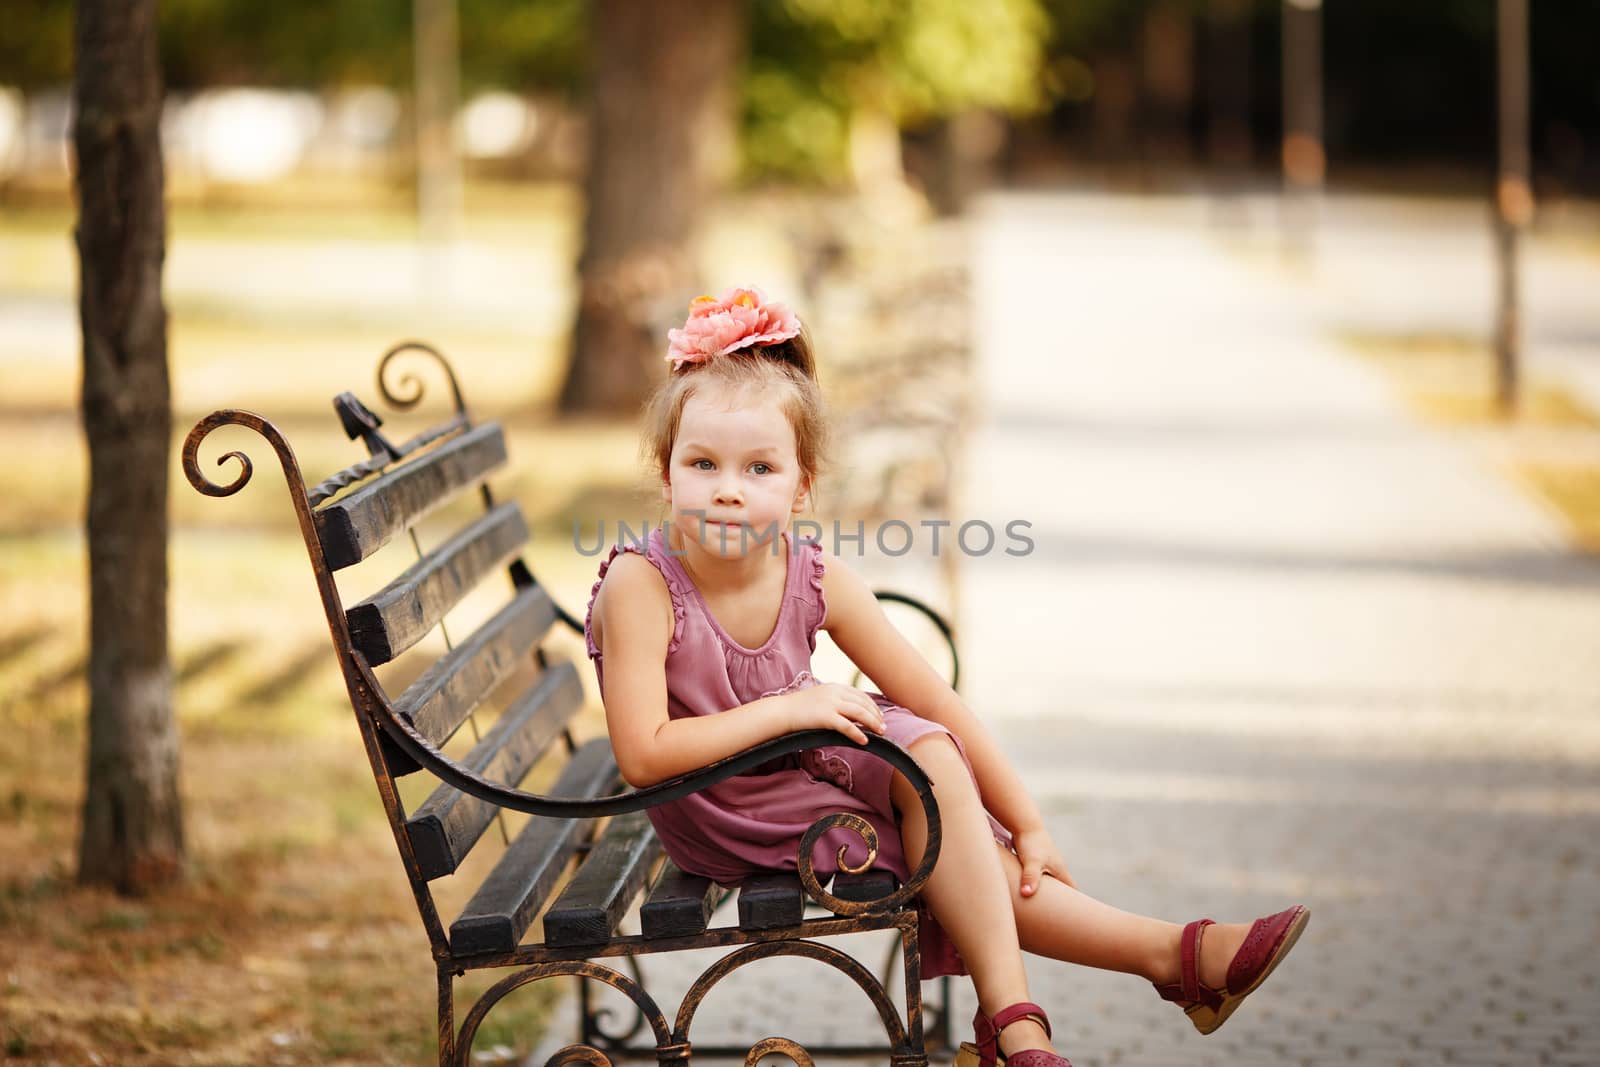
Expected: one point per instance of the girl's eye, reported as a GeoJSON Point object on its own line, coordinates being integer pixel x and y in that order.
{"type": "Point", "coordinates": [760, 468]}
{"type": "Point", "coordinates": [703, 464]}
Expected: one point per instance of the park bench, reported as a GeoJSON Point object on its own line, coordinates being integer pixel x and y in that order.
{"type": "Point", "coordinates": [588, 851]}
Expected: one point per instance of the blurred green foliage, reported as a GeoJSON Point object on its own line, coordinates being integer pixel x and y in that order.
{"type": "Point", "coordinates": [814, 64]}
{"type": "Point", "coordinates": [524, 44]}
{"type": "Point", "coordinates": [1404, 80]}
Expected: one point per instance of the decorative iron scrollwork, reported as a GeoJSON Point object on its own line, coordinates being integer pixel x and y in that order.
{"type": "Point", "coordinates": [890, 902]}
{"type": "Point", "coordinates": [615, 1041]}
{"type": "Point", "coordinates": [847, 821]}
{"type": "Point", "coordinates": [572, 1053]}
{"type": "Point", "coordinates": [826, 954]}
{"type": "Point", "coordinates": [410, 389]}
{"type": "Point", "coordinates": [250, 420]}
{"type": "Point", "coordinates": [579, 1054]}
{"type": "Point", "coordinates": [781, 1046]}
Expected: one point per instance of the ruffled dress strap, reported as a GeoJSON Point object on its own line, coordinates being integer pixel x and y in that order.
{"type": "Point", "coordinates": [809, 557]}
{"type": "Point", "coordinates": [652, 551]}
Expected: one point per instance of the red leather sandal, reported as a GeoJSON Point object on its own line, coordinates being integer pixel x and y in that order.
{"type": "Point", "coordinates": [987, 1049]}
{"type": "Point", "coordinates": [1265, 946]}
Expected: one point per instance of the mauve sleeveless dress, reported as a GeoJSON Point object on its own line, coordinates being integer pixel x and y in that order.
{"type": "Point", "coordinates": [753, 822]}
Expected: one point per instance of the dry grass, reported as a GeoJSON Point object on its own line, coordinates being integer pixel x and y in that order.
{"type": "Point", "coordinates": [295, 940]}
{"type": "Point", "coordinates": [1551, 443]}
{"type": "Point", "coordinates": [1575, 491]}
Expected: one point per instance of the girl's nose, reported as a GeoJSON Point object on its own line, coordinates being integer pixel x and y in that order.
{"type": "Point", "coordinates": [729, 492]}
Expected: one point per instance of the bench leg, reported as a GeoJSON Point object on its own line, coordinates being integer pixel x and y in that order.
{"type": "Point", "coordinates": [911, 950]}
{"type": "Point", "coordinates": [447, 1019]}
{"type": "Point", "coordinates": [935, 1015]}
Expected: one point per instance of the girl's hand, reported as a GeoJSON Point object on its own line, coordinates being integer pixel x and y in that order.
{"type": "Point", "coordinates": [831, 706]}
{"type": "Point", "coordinates": [1039, 857]}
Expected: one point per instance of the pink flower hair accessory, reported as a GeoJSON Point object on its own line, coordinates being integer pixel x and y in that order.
{"type": "Point", "coordinates": [715, 327]}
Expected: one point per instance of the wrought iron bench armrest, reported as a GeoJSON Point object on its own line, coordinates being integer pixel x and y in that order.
{"type": "Point", "coordinates": [455, 774]}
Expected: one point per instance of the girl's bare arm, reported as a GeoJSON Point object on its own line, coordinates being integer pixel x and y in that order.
{"type": "Point", "coordinates": [635, 619]}
{"type": "Point", "coordinates": [856, 622]}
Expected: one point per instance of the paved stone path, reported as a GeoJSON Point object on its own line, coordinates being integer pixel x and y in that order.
{"type": "Point", "coordinates": [1275, 643]}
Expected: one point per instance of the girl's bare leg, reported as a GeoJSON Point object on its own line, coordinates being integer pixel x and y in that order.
{"type": "Point", "coordinates": [1065, 924]}
{"type": "Point", "coordinates": [967, 891]}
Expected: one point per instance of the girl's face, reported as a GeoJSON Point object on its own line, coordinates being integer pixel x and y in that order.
{"type": "Point", "coordinates": [733, 479]}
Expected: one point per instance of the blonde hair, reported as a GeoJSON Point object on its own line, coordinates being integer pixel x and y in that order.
{"type": "Point", "coordinates": [788, 365]}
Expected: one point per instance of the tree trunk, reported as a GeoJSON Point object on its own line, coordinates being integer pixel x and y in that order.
{"type": "Point", "coordinates": [1228, 124]}
{"type": "Point", "coordinates": [1304, 156]}
{"type": "Point", "coordinates": [661, 134]}
{"type": "Point", "coordinates": [132, 820]}
{"type": "Point", "coordinates": [1167, 62]}
{"type": "Point", "coordinates": [1513, 196]}
{"type": "Point", "coordinates": [437, 78]}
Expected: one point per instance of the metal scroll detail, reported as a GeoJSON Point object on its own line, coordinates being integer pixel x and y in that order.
{"type": "Point", "coordinates": [249, 420]}
{"type": "Point", "coordinates": [826, 954]}
{"type": "Point", "coordinates": [586, 1054]}
{"type": "Point", "coordinates": [780, 1046]}
{"type": "Point", "coordinates": [286, 458]}
{"type": "Point", "coordinates": [610, 1040]}
{"type": "Point", "coordinates": [297, 494]}
{"type": "Point", "coordinates": [409, 392]}
{"type": "Point", "coordinates": [808, 875]}
{"type": "Point", "coordinates": [855, 823]}
{"type": "Point", "coordinates": [578, 1054]}
{"type": "Point", "coordinates": [847, 821]}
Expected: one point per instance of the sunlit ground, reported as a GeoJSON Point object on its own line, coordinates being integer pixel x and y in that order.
{"type": "Point", "coordinates": [1552, 445]}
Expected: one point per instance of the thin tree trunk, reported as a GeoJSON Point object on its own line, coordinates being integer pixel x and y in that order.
{"type": "Point", "coordinates": [437, 79]}
{"type": "Point", "coordinates": [1513, 196]}
{"type": "Point", "coordinates": [1228, 94]}
{"type": "Point", "coordinates": [132, 819]}
{"type": "Point", "coordinates": [1304, 157]}
{"type": "Point", "coordinates": [1167, 61]}
{"type": "Point", "coordinates": [661, 132]}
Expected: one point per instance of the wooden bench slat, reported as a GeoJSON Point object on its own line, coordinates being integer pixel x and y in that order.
{"type": "Point", "coordinates": [502, 909]}
{"type": "Point", "coordinates": [589, 908]}
{"type": "Point", "coordinates": [770, 901]}
{"type": "Point", "coordinates": [444, 827]}
{"type": "Point", "coordinates": [355, 526]}
{"type": "Point", "coordinates": [447, 692]}
{"type": "Point", "coordinates": [401, 614]}
{"type": "Point", "coordinates": [868, 885]}
{"type": "Point", "coordinates": [679, 904]}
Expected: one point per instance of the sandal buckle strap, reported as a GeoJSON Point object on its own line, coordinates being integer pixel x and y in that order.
{"type": "Point", "coordinates": [1006, 1016]}
{"type": "Point", "coordinates": [987, 1031]}
{"type": "Point", "coordinates": [1189, 946]}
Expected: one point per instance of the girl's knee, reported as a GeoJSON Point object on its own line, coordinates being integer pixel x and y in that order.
{"type": "Point", "coordinates": [938, 756]}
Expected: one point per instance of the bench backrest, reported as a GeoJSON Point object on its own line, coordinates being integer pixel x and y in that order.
{"type": "Point", "coordinates": [346, 520]}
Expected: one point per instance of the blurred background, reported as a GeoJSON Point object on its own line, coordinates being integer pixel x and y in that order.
{"type": "Point", "coordinates": [1243, 303]}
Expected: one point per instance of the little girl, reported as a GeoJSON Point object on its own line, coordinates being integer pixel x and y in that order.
{"type": "Point", "coordinates": [702, 641]}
